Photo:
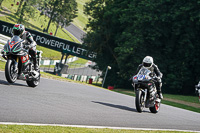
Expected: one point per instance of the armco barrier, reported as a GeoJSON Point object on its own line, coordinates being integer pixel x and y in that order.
{"type": "Point", "coordinates": [83, 78]}
{"type": "Point", "coordinates": [53, 62]}
{"type": "Point", "coordinates": [4, 39]}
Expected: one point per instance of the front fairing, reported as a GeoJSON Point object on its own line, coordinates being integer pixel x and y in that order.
{"type": "Point", "coordinates": [14, 47]}
{"type": "Point", "coordinates": [143, 76]}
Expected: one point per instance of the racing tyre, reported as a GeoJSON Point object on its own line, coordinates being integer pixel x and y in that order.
{"type": "Point", "coordinates": [10, 75]}
{"type": "Point", "coordinates": [33, 82]}
{"type": "Point", "coordinates": [155, 108]}
{"type": "Point", "coordinates": [139, 101]}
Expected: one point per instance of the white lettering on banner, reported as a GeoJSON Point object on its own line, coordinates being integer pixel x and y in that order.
{"type": "Point", "coordinates": [47, 42]}
{"type": "Point", "coordinates": [42, 40]}
{"type": "Point", "coordinates": [56, 44]}
{"type": "Point", "coordinates": [37, 38]}
{"type": "Point", "coordinates": [78, 50]}
{"type": "Point", "coordinates": [7, 29]}
{"type": "Point", "coordinates": [73, 50]}
{"type": "Point", "coordinates": [61, 44]}
{"type": "Point", "coordinates": [92, 55]}
{"type": "Point", "coordinates": [66, 47]}
{"type": "Point", "coordinates": [52, 43]}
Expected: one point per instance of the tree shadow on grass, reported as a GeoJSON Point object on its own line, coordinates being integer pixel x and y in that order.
{"type": "Point", "coordinates": [12, 17]}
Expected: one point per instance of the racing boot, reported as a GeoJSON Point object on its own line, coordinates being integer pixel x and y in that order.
{"type": "Point", "coordinates": [21, 76]}
{"type": "Point", "coordinates": [35, 64]}
{"type": "Point", "coordinates": [36, 67]}
{"type": "Point", "coordinates": [160, 95]}
{"type": "Point", "coordinates": [158, 87]}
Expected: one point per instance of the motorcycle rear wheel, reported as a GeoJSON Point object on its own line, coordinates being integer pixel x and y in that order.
{"type": "Point", "coordinates": [155, 108]}
{"type": "Point", "coordinates": [139, 101]}
{"type": "Point", "coordinates": [33, 82]}
{"type": "Point", "coordinates": [10, 75]}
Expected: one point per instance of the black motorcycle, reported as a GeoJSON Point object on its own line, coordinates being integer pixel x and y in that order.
{"type": "Point", "coordinates": [18, 59]}
{"type": "Point", "coordinates": [146, 93]}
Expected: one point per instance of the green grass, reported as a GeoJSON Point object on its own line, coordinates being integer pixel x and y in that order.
{"type": "Point", "coordinates": [182, 106]}
{"type": "Point", "coordinates": [192, 99]}
{"type": "Point", "coordinates": [82, 19]}
{"type": "Point", "coordinates": [59, 129]}
{"type": "Point", "coordinates": [2, 65]}
{"type": "Point", "coordinates": [49, 53]}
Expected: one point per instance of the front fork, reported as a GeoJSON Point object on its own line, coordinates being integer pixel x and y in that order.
{"type": "Point", "coordinates": [145, 94]}
{"type": "Point", "coordinates": [144, 91]}
{"type": "Point", "coordinates": [16, 65]}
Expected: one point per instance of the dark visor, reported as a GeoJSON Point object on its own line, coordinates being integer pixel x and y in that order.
{"type": "Point", "coordinates": [146, 64]}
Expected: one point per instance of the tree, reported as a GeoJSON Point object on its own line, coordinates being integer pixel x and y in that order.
{"type": "Point", "coordinates": [1, 1]}
{"type": "Point", "coordinates": [123, 32]}
{"type": "Point", "coordinates": [19, 7]}
{"type": "Point", "coordinates": [66, 13]}
{"type": "Point", "coordinates": [26, 10]}
{"type": "Point", "coordinates": [59, 11]}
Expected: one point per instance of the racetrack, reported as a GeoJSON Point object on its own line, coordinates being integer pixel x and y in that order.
{"type": "Point", "coordinates": [68, 103]}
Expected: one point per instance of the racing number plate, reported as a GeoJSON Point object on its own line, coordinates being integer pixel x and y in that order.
{"type": "Point", "coordinates": [25, 58]}
{"type": "Point", "coordinates": [141, 77]}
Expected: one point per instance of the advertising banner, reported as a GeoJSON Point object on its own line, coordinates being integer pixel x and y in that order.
{"type": "Point", "coordinates": [52, 42]}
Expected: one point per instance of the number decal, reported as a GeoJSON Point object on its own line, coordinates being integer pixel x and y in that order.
{"type": "Point", "coordinates": [141, 77]}
{"type": "Point", "coordinates": [25, 58]}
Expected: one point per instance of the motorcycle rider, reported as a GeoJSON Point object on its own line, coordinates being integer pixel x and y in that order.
{"type": "Point", "coordinates": [30, 44]}
{"type": "Point", "coordinates": [148, 63]}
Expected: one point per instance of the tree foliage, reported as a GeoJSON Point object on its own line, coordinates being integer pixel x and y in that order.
{"type": "Point", "coordinates": [123, 32]}
{"type": "Point", "coordinates": [60, 11]}
{"type": "Point", "coordinates": [1, 1]}
{"type": "Point", "coordinates": [26, 10]}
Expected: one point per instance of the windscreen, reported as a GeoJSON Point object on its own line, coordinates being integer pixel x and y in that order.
{"type": "Point", "coordinates": [144, 71]}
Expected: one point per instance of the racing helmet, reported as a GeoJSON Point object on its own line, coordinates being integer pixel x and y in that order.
{"type": "Point", "coordinates": [147, 62]}
{"type": "Point", "coordinates": [18, 29]}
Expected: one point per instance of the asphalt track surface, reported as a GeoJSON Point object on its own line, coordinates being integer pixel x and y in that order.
{"type": "Point", "coordinates": [68, 103]}
{"type": "Point", "coordinates": [76, 32]}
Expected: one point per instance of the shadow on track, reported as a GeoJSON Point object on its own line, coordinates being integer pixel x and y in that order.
{"type": "Point", "coordinates": [3, 82]}
{"type": "Point", "coordinates": [117, 106]}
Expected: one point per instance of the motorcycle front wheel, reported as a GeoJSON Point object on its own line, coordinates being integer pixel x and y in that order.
{"type": "Point", "coordinates": [10, 75]}
{"type": "Point", "coordinates": [139, 101]}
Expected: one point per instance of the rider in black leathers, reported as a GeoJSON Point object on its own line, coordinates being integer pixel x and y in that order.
{"type": "Point", "coordinates": [148, 63]}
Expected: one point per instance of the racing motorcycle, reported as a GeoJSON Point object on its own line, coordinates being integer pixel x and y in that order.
{"type": "Point", "coordinates": [146, 93]}
{"type": "Point", "coordinates": [18, 58]}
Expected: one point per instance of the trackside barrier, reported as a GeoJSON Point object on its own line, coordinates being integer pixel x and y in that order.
{"type": "Point", "coordinates": [83, 78]}
{"type": "Point", "coordinates": [53, 62]}
{"type": "Point", "coordinates": [4, 39]}
{"type": "Point", "coordinates": [1, 58]}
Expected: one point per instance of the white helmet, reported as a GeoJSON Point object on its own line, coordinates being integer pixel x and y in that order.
{"type": "Point", "coordinates": [147, 61]}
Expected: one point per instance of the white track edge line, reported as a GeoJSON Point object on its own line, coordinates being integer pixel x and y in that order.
{"type": "Point", "coordinates": [99, 127]}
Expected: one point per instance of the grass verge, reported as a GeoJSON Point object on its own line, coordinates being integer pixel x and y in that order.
{"type": "Point", "coordinates": [59, 129]}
